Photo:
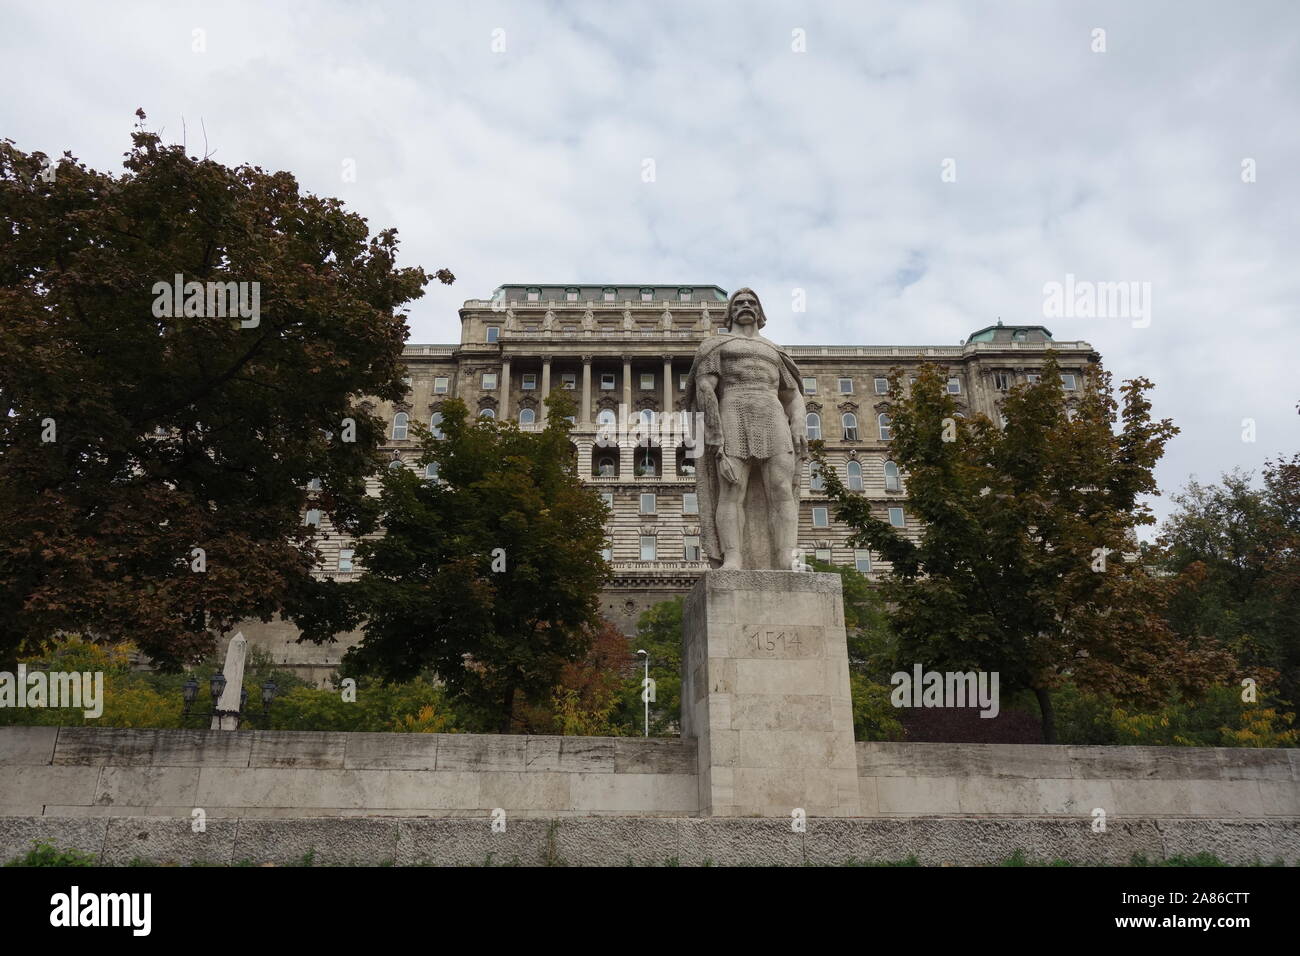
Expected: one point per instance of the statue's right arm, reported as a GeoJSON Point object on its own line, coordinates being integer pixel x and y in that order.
{"type": "Point", "coordinates": [706, 400]}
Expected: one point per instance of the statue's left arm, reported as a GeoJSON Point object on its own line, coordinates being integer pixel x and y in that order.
{"type": "Point", "coordinates": [791, 396]}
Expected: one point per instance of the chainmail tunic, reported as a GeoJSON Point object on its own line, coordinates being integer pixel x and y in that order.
{"type": "Point", "coordinates": [753, 420]}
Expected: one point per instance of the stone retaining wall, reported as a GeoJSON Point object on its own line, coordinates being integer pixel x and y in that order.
{"type": "Point", "coordinates": [106, 772]}
{"type": "Point", "coordinates": [620, 841]}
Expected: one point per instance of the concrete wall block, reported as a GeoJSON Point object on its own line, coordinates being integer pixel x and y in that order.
{"type": "Point", "coordinates": [518, 790]}
{"type": "Point", "coordinates": [323, 750]}
{"type": "Point", "coordinates": [917, 796]}
{"type": "Point", "coordinates": [171, 842]}
{"type": "Point", "coordinates": [391, 751]}
{"type": "Point", "coordinates": [96, 746]}
{"type": "Point", "coordinates": [1137, 763]}
{"type": "Point", "coordinates": [202, 748]}
{"type": "Point", "coordinates": [587, 754]}
{"type": "Point", "coordinates": [1250, 763]}
{"type": "Point", "coordinates": [1237, 842]}
{"type": "Point", "coordinates": [27, 745]}
{"type": "Point", "coordinates": [739, 842]}
{"type": "Point", "coordinates": [325, 842]}
{"type": "Point", "coordinates": [654, 755]}
{"type": "Point", "coordinates": [148, 786]}
{"type": "Point", "coordinates": [617, 841]}
{"type": "Point", "coordinates": [465, 842]}
{"type": "Point", "coordinates": [19, 835]}
{"type": "Point", "coordinates": [38, 786]}
{"type": "Point", "coordinates": [481, 752]}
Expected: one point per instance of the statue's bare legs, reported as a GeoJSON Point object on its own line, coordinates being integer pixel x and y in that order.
{"type": "Point", "coordinates": [783, 510]}
{"type": "Point", "coordinates": [778, 482]}
{"type": "Point", "coordinates": [731, 514]}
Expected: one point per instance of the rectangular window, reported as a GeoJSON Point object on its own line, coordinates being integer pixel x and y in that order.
{"type": "Point", "coordinates": [568, 381]}
{"type": "Point", "coordinates": [691, 547]}
{"type": "Point", "coordinates": [609, 295]}
{"type": "Point", "coordinates": [534, 295]}
{"type": "Point", "coordinates": [493, 333]}
{"type": "Point", "coordinates": [608, 498]}
{"type": "Point", "coordinates": [846, 386]}
{"type": "Point", "coordinates": [606, 381]}
{"type": "Point", "coordinates": [823, 554]}
{"type": "Point", "coordinates": [821, 518]}
{"type": "Point", "coordinates": [1033, 378]}
{"type": "Point", "coordinates": [1002, 381]}
{"type": "Point", "coordinates": [607, 552]}
{"type": "Point", "coordinates": [647, 547]}
{"type": "Point", "coordinates": [489, 381]}
{"type": "Point", "coordinates": [954, 386]}
{"type": "Point", "coordinates": [896, 517]}
{"type": "Point", "coordinates": [1068, 381]}
{"type": "Point", "coordinates": [862, 561]}
{"type": "Point", "coordinates": [684, 295]}
{"type": "Point", "coordinates": [681, 382]}
{"type": "Point", "coordinates": [882, 386]}
{"type": "Point", "coordinates": [570, 295]}
{"type": "Point", "coordinates": [647, 295]}
{"type": "Point", "coordinates": [648, 380]}
{"type": "Point", "coordinates": [529, 382]}
{"type": "Point", "coordinates": [690, 503]}
{"type": "Point", "coordinates": [810, 386]}
{"type": "Point", "coordinates": [345, 559]}
{"type": "Point", "coordinates": [647, 504]}
{"type": "Point", "coordinates": [440, 385]}
{"type": "Point", "coordinates": [312, 517]}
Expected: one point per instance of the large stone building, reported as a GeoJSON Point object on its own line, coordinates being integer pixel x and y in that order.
{"type": "Point", "coordinates": [628, 349]}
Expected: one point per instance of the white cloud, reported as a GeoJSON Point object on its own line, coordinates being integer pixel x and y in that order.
{"type": "Point", "coordinates": [774, 169]}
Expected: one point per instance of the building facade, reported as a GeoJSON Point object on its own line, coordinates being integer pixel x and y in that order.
{"type": "Point", "coordinates": [624, 352]}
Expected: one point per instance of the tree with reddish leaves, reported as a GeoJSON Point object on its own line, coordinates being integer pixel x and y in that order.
{"type": "Point", "coordinates": [155, 449]}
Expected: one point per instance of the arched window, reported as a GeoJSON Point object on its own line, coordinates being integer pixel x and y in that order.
{"type": "Point", "coordinates": [646, 417]}
{"type": "Point", "coordinates": [435, 425]}
{"type": "Point", "coordinates": [854, 470]}
{"type": "Point", "coordinates": [487, 413]}
{"type": "Point", "coordinates": [395, 464]}
{"type": "Point", "coordinates": [431, 470]}
{"type": "Point", "coordinates": [883, 420]}
{"type": "Point", "coordinates": [815, 480]}
{"type": "Point", "coordinates": [400, 421]}
{"type": "Point", "coordinates": [606, 466]}
{"type": "Point", "coordinates": [850, 423]}
{"type": "Point", "coordinates": [606, 416]}
{"type": "Point", "coordinates": [891, 477]}
{"type": "Point", "coordinates": [814, 426]}
{"type": "Point", "coordinates": [527, 416]}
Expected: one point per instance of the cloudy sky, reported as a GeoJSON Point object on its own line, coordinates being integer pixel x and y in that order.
{"type": "Point", "coordinates": [919, 169]}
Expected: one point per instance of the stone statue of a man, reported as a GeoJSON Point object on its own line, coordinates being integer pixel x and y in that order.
{"type": "Point", "coordinates": [755, 434]}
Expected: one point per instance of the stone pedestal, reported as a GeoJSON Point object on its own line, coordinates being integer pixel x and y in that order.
{"type": "Point", "coordinates": [765, 691]}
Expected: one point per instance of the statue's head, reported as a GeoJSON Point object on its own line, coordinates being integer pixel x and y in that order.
{"type": "Point", "coordinates": [744, 308]}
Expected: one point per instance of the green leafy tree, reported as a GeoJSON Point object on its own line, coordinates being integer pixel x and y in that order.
{"type": "Point", "coordinates": [1235, 548]}
{"type": "Point", "coordinates": [133, 436]}
{"type": "Point", "coordinates": [659, 633]}
{"type": "Point", "coordinates": [489, 574]}
{"type": "Point", "coordinates": [1017, 565]}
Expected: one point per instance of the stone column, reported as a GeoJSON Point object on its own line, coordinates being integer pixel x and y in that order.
{"type": "Point", "coordinates": [765, 693]}
{"type": "Point", "coordinates": [546, 385]}
{"type": "Point", "coordinates": [586, 390]}
{"type": "Point", "coordinates": [668, 385]}
{"type": "Point", "coordinates": [585, 447]}
{"type": "Point", "coordinates": [236, 654]}
{"type": "Point", "coordinates": [503, 409]}
{"type": "Point", "coordinates": [627, 385]}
